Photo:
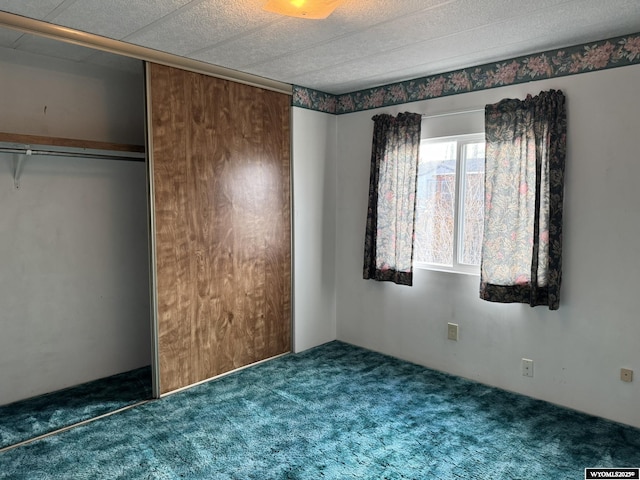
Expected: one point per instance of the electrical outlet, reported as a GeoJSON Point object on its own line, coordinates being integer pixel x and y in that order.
{"type": "Point", "coordinates": [626, 374]}
{"type": "Point", "coordinates": [452, 331]}
{"type": "Point", "coordinates": [527, 367]}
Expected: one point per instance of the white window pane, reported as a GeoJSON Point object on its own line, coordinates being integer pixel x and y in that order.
{"type": "Point", "coordinates": [472, 204]}
{"type": "Point", "coordinates": [435, 204]}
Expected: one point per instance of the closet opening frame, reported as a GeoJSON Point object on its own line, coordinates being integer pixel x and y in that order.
{"type": "Point", "coordinates": [151, 217]}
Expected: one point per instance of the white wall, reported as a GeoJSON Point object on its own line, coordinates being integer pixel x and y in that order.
{"type": "Point", "coordinates": [74, 283]}
{"type": "Point", "coordinates": [578, 350]}
{"type": "Point", "coordinates": [58, 98]}
{"type": "Point", "coordinates": [314, 207]}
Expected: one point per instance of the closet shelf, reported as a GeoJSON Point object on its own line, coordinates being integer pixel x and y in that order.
{"type": "Point", "coordinates": [23, 146]}
{"type": "Point", "coordinates": [68, 142]}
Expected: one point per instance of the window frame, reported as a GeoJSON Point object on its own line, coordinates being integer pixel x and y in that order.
{"type": "Point", "coordinates": [456, 266]}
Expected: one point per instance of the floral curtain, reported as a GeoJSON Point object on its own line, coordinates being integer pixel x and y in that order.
{"type": "Point", "coordinates": [524, 182]}
{"type": "Point", "coordinates": [388, 246]}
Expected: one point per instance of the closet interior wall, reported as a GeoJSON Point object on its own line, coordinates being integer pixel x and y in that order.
{"type": "Point", "coordinates": [74, 281]}
{"type": "Point", "coordinates": [220, 177]}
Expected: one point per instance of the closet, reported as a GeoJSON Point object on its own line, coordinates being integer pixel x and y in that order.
{"type": "Point", "coordinates": [74, 282]}
{"type": "Point", "coordinates": [144, 220]}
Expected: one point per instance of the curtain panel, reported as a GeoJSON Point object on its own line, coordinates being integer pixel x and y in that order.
{"type": "Point", "coordinates": [524, 184]}
{"type": "Point", "coordinates": [388, 246]}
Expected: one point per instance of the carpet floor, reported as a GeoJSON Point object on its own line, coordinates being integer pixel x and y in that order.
{"type": "Point", "coordinates": [30, 418]}
{"type": "Point", "coordinates": [333, 412]}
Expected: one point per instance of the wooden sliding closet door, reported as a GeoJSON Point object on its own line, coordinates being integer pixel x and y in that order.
{"type": "Point", "coordinates": [221, 181]}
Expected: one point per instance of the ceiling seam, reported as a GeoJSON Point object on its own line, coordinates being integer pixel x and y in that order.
{"type": "Point", "coordinates": [64, 5]}
{"type": "Point", "coordinates": [235, 37]}
{"type": "Point", "coordinates": [150, 26]}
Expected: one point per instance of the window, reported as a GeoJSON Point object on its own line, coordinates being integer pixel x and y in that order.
{"type": "Point", "coordinates": [450, 203]}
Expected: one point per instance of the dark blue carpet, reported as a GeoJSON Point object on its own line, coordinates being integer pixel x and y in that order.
{"type": "Point", "coordinates": [333, 412]}
{"type": "Point", "coordinates": [36, 416]}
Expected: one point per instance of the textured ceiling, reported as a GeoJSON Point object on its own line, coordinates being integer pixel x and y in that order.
{"type": "Point", "coordinates": [364, 43]}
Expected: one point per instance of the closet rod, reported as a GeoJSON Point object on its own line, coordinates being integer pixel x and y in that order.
{"type": "Point", "coordinates": [97, 156]}
{"type": "Point", "coordinates": [458, 112]}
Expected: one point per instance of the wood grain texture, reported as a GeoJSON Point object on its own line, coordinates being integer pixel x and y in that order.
{"type": "Point", "coordinates": [221, 153]}
{"type": "Point", "coordinates": [68, 142]}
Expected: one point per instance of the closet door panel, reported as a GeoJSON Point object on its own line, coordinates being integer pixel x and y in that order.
{"type": "Point", "coordinates": [221, 155]}
{"type": "Point", "coordinates": [275, 222]}
{"type": "Point", "coordinates": [168, 125]}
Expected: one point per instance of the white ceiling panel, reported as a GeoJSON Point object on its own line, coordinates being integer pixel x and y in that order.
{"type": "Point", "coordinates": [358, 15]}
{"type": "Point", "coordinates": [202, 24]}
{"type": "Point", "coordinates": [287, 36]}
{"type": "Point", "coordinates": [390, 33]}
{"type": "Point", "coordinates": [274, 40]}
{"type": "Point", "coordinates": [364, 43]}
{"type": "Point", "coordinates": [32, 9]}
{"type": "Point", "coordinates": [116, 18]}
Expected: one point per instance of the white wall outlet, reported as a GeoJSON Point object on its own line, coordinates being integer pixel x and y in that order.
{"type": "Point", "coordinates": [626, 374]}
{"type": "Point", "coordinates": [527, 367]}
{"type": "Point", "coordinates": [452, 331]}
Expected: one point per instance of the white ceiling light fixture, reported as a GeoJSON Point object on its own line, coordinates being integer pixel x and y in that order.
{"type": "Point", "coordinates": [310, 9]}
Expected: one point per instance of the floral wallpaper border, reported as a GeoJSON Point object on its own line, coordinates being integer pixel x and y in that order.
{"type": "Point", "coordinates": [610, 53]}
{"type": "Point", "coordinates": [314, 100]}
